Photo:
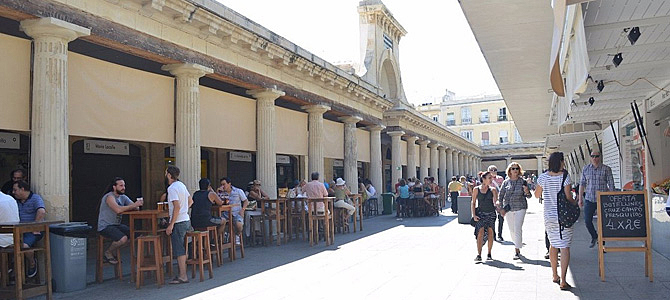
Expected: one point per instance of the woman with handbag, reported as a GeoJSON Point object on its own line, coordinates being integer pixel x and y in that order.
{"type": "Point", "coordinates": [550, 184]}
{"type": "Point", "coordinates": [484, 196]}
{"type": "Point", "coordinates": [512, 196]}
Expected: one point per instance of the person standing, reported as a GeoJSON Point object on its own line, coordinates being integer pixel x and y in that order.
{"type": "Point", "coordinates": [595, 177]}
{"type": "Point", "coordinates": [179, 200]}
{"type": "Point", "coordinates": [454, 188]}
{"type": "Point", "coordinates": [548, 186]}
{"type": "Point", "coordinates": [403, 198]}
{"type": "Point", "coordinates": [513, 197]}
{"type": "Point", "coordinates": [485, 214]}
{"type": "Point", "coordinates": [496, 182]}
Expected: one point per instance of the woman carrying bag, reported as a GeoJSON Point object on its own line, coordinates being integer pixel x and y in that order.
{"type": "Point", "coordinates": [513, 194]}
{"type": "Point", "coordinates": [484, 215]}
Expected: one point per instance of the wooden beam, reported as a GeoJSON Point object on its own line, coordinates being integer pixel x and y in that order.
{"type": "Point", "coordinates": [626, 24]}
{"type": "Point", "coordinates": [629, 48]}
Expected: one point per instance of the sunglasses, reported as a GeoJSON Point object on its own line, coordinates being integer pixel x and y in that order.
{"type": "Point", "coordinates": [513, 169]}
{"type": "Point", "coordinates": [595, 156]}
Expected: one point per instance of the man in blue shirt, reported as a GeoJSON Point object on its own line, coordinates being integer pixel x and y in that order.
{"type": "Point", "coordinates": [31, 209]}
{"type": "Point", "coordinates": [595, 177]}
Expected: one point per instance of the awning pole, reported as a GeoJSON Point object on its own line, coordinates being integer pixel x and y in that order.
{"type": "Point", "coordinates": [615, 140]}
{"type": "Point", "coordinates": [643, 133]}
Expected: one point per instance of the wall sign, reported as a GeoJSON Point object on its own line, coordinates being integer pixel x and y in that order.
{"type": "Point", "coordinates": [240, 156]}
{"type": "Point", "coordinates": [338, 163]}
{"type": "Point", "coordinates": [283, 159]}
{"type": "Point", "coordinates": [106, 147]}
{"type": "Point", "coordinates": [10, 140]}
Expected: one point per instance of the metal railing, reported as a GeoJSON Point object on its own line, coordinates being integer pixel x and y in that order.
{"type": "Point", "coordinates": [484, 120]}
{"type": "Point", "coordinates": [451, 122]}
{"type": "Point", "coordinates": [466, 121]}
{"type": "Point", "coordinates": [502, 118]}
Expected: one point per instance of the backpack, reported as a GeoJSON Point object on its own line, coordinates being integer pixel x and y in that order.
{"type": "Point", "coordinates": [568, 213]}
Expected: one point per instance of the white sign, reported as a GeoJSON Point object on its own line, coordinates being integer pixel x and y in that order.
{"type": "Point", "coordinates": [338, 163]}
{"type": "Point", "coordinates": [283, 159]}
{"type": "Point", "coordinates": [10, 140]}
{"type": "Point", "coordinates": [359, 164]}
{"type": "Point", "coordinates": [240, 156]}
{"type": "Point", "coordinates": [106, 147]}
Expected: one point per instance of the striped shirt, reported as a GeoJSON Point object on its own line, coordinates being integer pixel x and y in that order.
{"type": "Point", "coordinates": [551, 185]}
{"type": "Point", "coordinates": [596, 179]}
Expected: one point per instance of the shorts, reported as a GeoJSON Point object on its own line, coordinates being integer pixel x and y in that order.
{"type": "Point", "coordinates": [115, 232]}
{"type": "Point", "coordinates": [177, 237]}
{"type": "Point", "coordinates": [236, 217]}
{"type": "Point", "coordinates": [30, 238]}
{"type": "Point", "coordinates": [203, 223]}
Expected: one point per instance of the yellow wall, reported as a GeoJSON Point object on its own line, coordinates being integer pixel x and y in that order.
{"type": "Point", "coordinates": [291, 131]}
{"type": "Point", "coordinates": [333, 138]}
{"type": "Point", "coordinates": [15, 83]}
{"type": "Point", "coordinates": [363, 145]}
{"type": "Point", "coordinates": [227, 121]}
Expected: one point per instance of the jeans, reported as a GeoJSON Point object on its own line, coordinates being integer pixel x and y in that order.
{"type": "Point", "coordinates": [589, 211]}
{"type": "Point", "coordinates": [501, 220]}
{"type": "Point", "coordinates": [514, 223]}
{"type": "Point", "coordinates": [454, 201]}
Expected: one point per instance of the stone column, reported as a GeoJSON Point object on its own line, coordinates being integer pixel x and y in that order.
{"type": "Point", "coordinates": [450, 164]}
{"type": "Point", "coordinates": [443, 166]}
{"type": "Point", "coordinates": [461, 164]}
{"type": "Point", "coordinates": [434, 160]}
{"type": "Point", "coordinates": [396, 167]}
{"type": "Point", "coordinates": [411, 157]}
{"type": "Point", "coordinates": [315, 128]}
{"type": "Point", "coordinates": [351, 153]}
{"type": "Point", "coordinates": [466, 164]}
{"type": "Point", "coordinates": [49, 155]}
{"type": "Point", "coordinates": [266, 138]}
{"type": "Point", "coordinates": [187, 112]}
{"type": "Point", "coordinates": [473, 168]}
{"type": "Point", "coordinates": [376, 157]}
{"type": "Point", "coordinates": [424, 157]}
{"type": "Point", "coordinates": [540, 165]}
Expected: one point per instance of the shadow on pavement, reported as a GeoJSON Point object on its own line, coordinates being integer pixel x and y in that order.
{"type": "Point", "coordinates": [503, 265]}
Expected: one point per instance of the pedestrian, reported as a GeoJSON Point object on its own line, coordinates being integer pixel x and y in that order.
{"type": "Point", "coordinates": [484, 214]}
{"type": "Point", "coordinates": [513, 197]}
{"type": "Point", "coordinates": [179, 201]}
{"type": "Point", "coordinates": [548, 186]}
{"type": "Point", "coordinates": [403, 198]}
{"type": "Point", "coordinates": [596, 177]}
{"type": "Point", "coordinates": [496, 182]}
{"type": "Point", "coordinates": [454, 187]}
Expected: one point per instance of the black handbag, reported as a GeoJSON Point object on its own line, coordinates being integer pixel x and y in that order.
{"type": "Point", "coordinates": [472, 220]}
{"type": "Point", "coordinates": [568, 213]}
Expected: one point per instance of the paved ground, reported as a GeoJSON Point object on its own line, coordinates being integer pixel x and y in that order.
{"type": "Point", "coordinates": [422, 258]}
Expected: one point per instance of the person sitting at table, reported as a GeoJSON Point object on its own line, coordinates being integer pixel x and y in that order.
{"type": "Point", "coordinates": [316, 189]}
{"type": "Point", "coordinates": [298, 190]}
{"type": "Point", "coordinates": [201, 210]}
{"type": "Point", "coordinates": [417, 189]}
{"type": "Point", "coordinates": [239, 202]}
{"type": "Point", "coordinates": [9, 213]}
{"type": "Point", "coordinates": [112, 204]}
{"type": "Point", "coordinates": [341, 194]}
{"type": "Point", "coordinates": [31, 209]}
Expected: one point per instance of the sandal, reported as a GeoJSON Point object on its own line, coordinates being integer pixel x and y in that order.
{"type": "Point", "coordinates": [178, 280]}
{"type": "Point", "coordinates": [557, 280]}
{"type": "Point", "coordinates": [110, 260]}
{"type": "Point", "coordinates": [566, 287]}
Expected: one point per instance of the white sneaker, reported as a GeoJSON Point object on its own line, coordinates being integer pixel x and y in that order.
{"type": "Point", "coordinates": [237, 240]}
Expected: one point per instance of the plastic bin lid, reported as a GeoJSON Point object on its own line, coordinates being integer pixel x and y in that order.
{"type": "Point", "coordinates": [69, 228]}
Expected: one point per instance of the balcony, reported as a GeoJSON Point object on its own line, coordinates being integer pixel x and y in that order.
{"type": "Point", "coordinates": [451, 122]}
{"type": "Point", "coordinates": [485, 142]}
{"type": "Point", "coordinates": [502, 118]}
{"type": "Point", "coordinates": [484, 120]}
{"type": "Point", "coordinates": [466, 121]}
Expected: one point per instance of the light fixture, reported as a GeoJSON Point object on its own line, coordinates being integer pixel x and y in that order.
{"type": "Point", "coordinates": [633, 35]}
{"type": "Point", "coordinates": [591, 101]}
{"type": "Point", "coordinates": [617, 59]}
{"type": "Point", "coordinates": [601, 85]}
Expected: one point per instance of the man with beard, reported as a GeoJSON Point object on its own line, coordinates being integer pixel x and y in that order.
{"type": "Point", "coordinates": [112, 204]}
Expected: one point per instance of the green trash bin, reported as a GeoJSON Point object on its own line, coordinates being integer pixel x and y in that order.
{"type": "Point", "coordinates": [388, 203]}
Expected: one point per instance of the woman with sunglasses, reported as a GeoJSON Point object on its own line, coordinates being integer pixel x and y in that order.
{"type": "Point", "coordinates": [513, 194]}
{"type": "Point", "coordinates": [485, 214]}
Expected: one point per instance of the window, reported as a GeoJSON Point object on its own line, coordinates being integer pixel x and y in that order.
{"type": "Point", "coordinates": [485, 138]}
{"type": "Point", "coordinates": [388, 42]}
{"type": "Point", "coordinates": [436, 118]}
{"type": "Point", "coordinates": [450, 119]}
{"type": "Point", "coordinates": [484, 117]}
{"type": "Point", "coordinates": [467, 134]}
{"type": "Point", "coordinates": [503, 137]}
{"type": "Point", "coordinates": [502, 114]}
{"type": "Point", "coordinates": [517, 136]}
{"type": "Point", "coordinates": [465, 115]}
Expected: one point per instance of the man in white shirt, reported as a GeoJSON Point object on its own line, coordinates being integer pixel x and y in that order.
{"type": "Point", "coordinates": [9, 213]}
{"type": "Point", "coordinates": [179, 200]}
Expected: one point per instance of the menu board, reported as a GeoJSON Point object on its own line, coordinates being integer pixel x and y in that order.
{"type": "Point", "coordinates": [623, 214]}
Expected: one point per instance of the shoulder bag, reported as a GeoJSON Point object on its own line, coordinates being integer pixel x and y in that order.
{"type": "Point", "coordinates": [568, 213]}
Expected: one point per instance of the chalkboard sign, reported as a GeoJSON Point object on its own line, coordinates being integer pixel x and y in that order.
{"type": "Point", "coordinates": [623, 214]}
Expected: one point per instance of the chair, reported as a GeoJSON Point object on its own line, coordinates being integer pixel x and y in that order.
{"type": "Point", "coordinates": [326, 217]}
{"type": "Point", "coordinates": [100, 263]}
{"type": "Point", "coordinates": [143, 264]}
{"type": "Point", "coordinates": [296, 217]}
{"type": "Point", "coordinates": [253, 217]}
{"type": "Point", "coordinates": [371, 205]}
{"type": "Point", "coordinates": [277, 214]}
{"type": "Point", "coordinates": [213, 233]}
{"type": "Point", "coordinates": [201, 253]}
{"type": "Point", "coordinates": [341, 217]}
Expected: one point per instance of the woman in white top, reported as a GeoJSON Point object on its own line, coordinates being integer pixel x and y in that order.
{"type": "Point", "coordinates": [548, 186]}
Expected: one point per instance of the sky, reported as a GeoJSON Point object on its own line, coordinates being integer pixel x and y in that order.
{"type": "Point", "coordinates": [439, 51]}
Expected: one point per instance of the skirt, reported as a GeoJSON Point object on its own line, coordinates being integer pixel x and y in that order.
{"type": "Point", "coordinates": [486, 220]}
{"type": "Point", "coordinates": [554, 235]}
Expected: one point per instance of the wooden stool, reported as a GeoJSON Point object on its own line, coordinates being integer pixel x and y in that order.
{"type": "Point", "coordinates": [296, 218]}
{"type": "Point", "coordinates": [341, 217]}
{"type": "Point", "coordinates": [166, 246]}
{"type": "Point", "coordinates": [100, 262]}
{"type": "Point", "coordinates": [213, 232]}
{"type": "Point", "coordinates": [144, 243]}
{"type": "Point", "coordinates": [200, 253]}
{"type": "Point", "coordinates": [241, 245]}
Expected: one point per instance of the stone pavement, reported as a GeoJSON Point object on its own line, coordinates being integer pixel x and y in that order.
{"type": "Point", "coordinates": [419, 258]}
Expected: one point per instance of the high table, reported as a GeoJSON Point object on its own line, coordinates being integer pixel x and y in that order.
{"type": "Point", "coordinates": [29, 290]}
{"type": "Point", "coordinates": [151, 216]}
{"type": "Point", "coordinates": [280, 214]}
{"type": "Point", "coordinates": [217, 211]}
{"type": "Point", "coordinates": [357, 200]}
{"type": "Point", "coordinates": [327, 216]}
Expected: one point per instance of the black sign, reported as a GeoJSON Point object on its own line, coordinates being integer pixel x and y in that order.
{"type": "Point", "coordinates": [623, 214]}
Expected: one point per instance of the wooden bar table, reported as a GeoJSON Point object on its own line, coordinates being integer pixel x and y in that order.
{"type": "Point", "coordinates": [279, 215]}
{"type": "Point", "coordinates": [329, 228]}
{"type": "Point", "coordinates": [357, 199]}
{"type": "Point", "coordinates": [217, 211]}
{"type": "Point", "coordinates": [149, 215]}
{"type": "Point", "coordinates": [21, 291]}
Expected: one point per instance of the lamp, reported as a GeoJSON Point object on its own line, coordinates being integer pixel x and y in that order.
{"type": "Point", "coordinates": [633, 35]}
{"type": "Point", "coordinates": [601, 84]}
{"type": "Point", "coordinates": [617, 59]}
{"type": "Point", "coordinates": [591, 101]}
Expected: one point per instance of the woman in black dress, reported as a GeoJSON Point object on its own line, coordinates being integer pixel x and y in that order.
{"type": "Point", "coordinates": [485, 213]}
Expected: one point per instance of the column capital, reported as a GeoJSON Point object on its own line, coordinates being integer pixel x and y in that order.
{"type": "Point", "coordinates": [52, 27]}
{"type": "Point", "coordinates": [441, 147]}
{"type": "Point", "coordinates": [395, 133]}
{"type": "Point", "coordinates": [412, 139]}
{"type": "Point", "coordinates": [316, 108]}
{"type": "Point", "coordinates": [265, 93]}
{"type": "Point", "coordinates": [187, 70]}
{"type": "Point", "coordinates": [424, 142]}
{"type": "Point", "coordinates": [350, 119]}
{"type": "Point", "coordinates": [539, 156]}
{"type": "Point", "coordinates": [376, 127]}
{"type": "Point", "coordinates": [433, 145]}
